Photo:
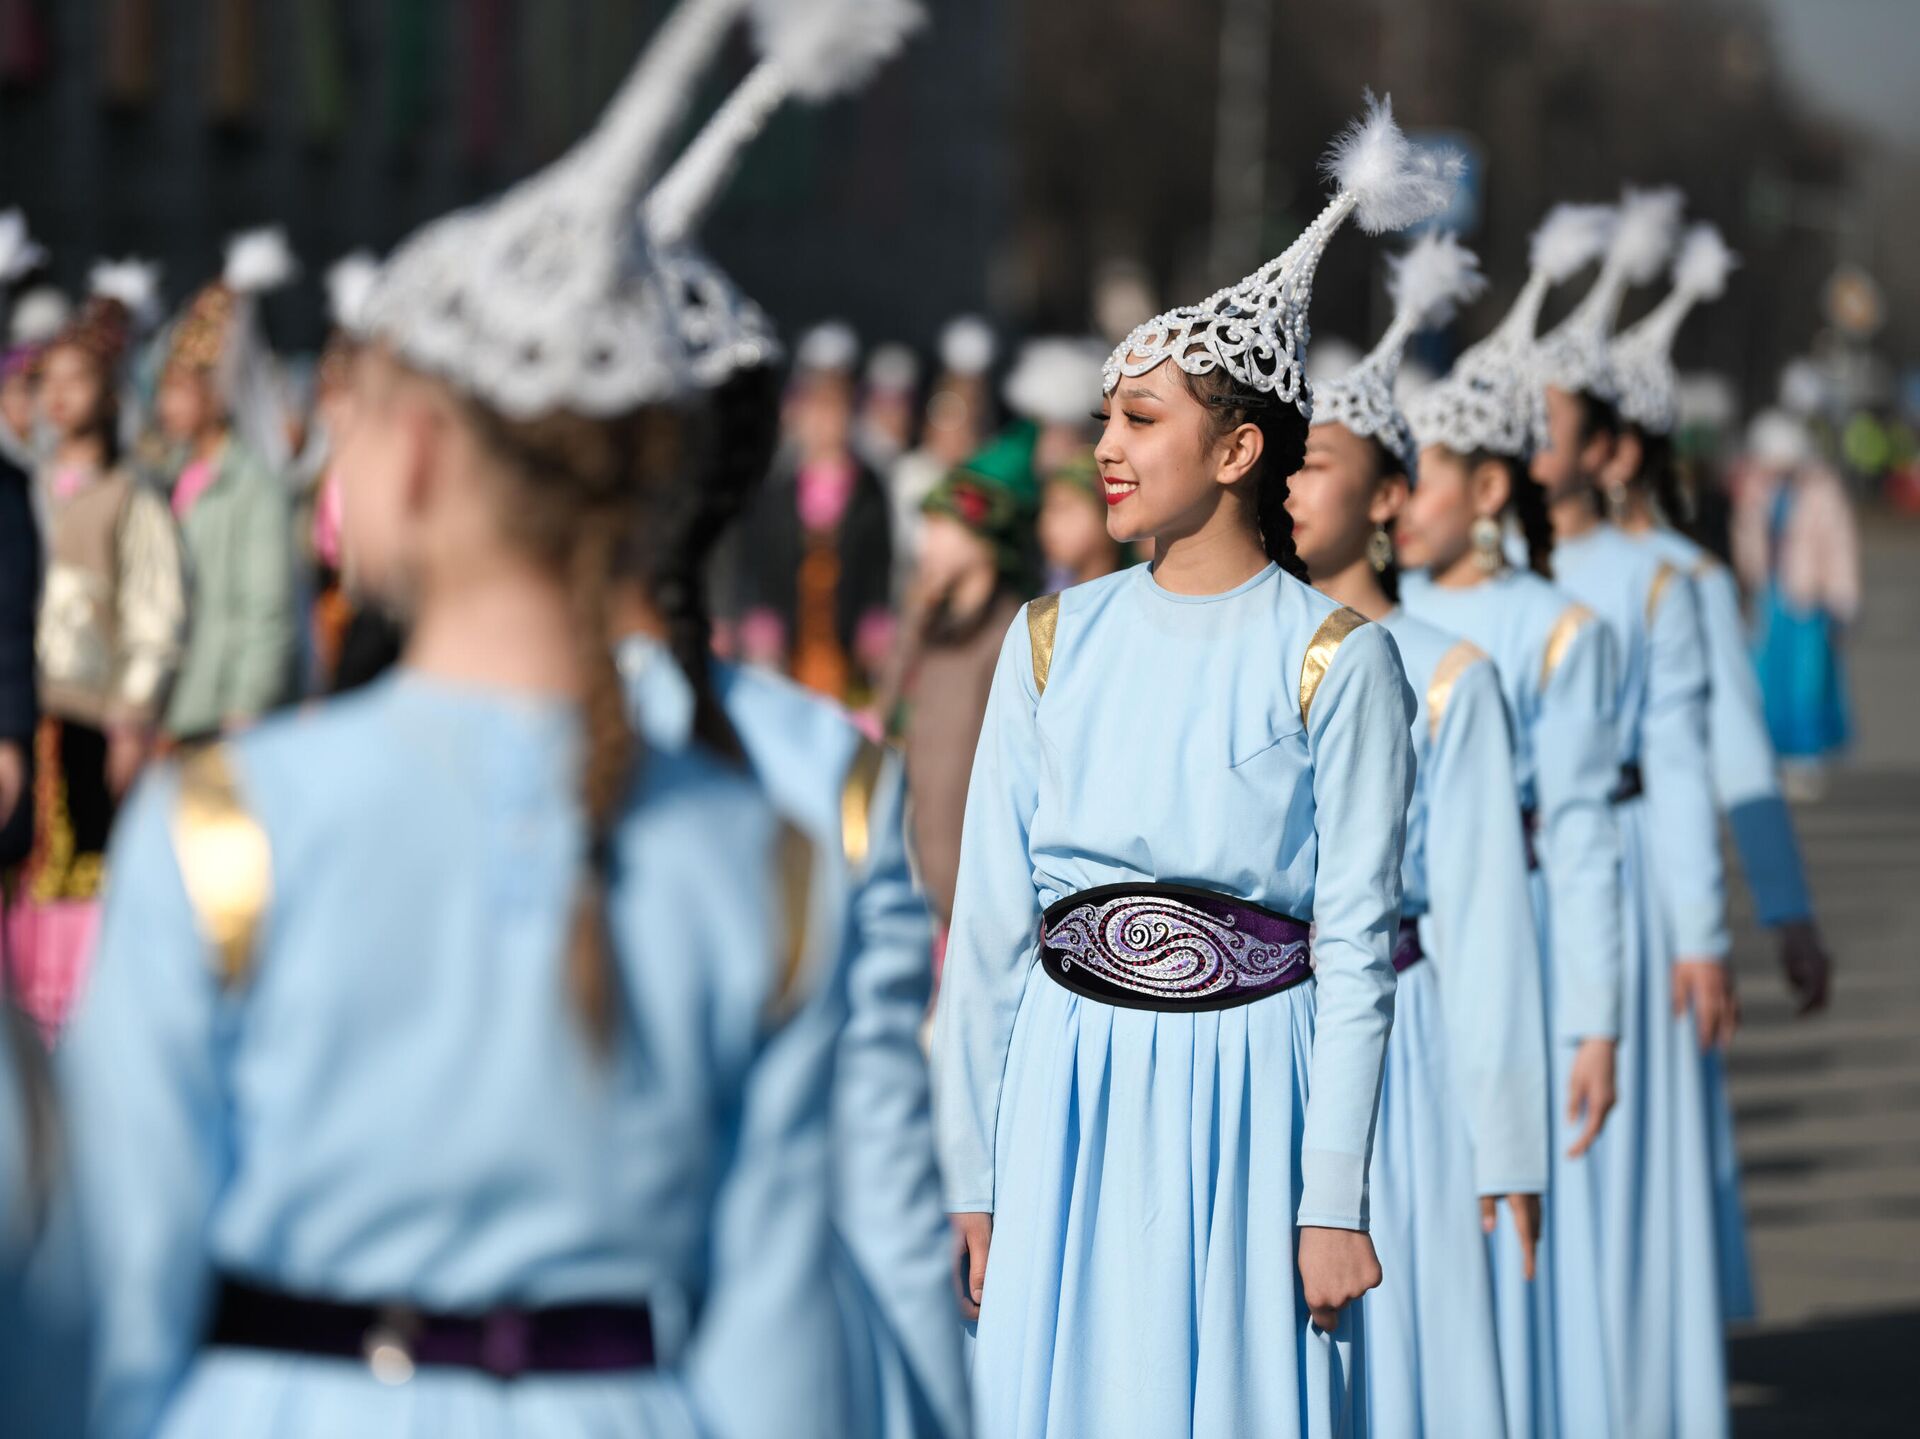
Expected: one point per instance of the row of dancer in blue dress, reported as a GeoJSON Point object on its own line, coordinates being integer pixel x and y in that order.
{"type": "Point", "coordinates": [528, 1044]}
{"type": "Point", "coordinates": [1332, 1019]}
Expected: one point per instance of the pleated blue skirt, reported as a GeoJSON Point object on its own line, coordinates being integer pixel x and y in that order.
{"type": "Point", "coordinates": [1142, 1280]}
{"type": "Point", "coordinates": [1433, 1363]}
{"type": "Point", "coordinates": [887, 1398]}
{"type": "Point", "coordinates": [1673, 1247]}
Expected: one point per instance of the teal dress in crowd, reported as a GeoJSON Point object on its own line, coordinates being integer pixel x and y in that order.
{"type": "Point", "coordinates": [1557, 673]}
{"type": "Point", "coordinates": [892, 1243]}
{"type": "Point", "coordinates": [393, 1099]}
{"type": "Point", "coordinates": [1146, 1167]}
{"type": "Point", "coordinates": [1797, 653]}
{"type": "Point", "coordinates": [1669, 1183]}
{"type": "Point", "coordinates": [1463, 1103]}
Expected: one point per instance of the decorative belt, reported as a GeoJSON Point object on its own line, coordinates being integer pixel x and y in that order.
{"type": "Point", "coordinates": [1631, 785]}
{"type": "Point", "coordinates": [392, 1340]}
{"type": "Point", "coordinates": [1406, 949]}
{"type": "Point", "coordinates": [1170, 946]}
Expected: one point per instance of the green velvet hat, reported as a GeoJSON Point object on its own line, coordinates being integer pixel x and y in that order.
{"type": "Point", "coordinates": [997, 495]}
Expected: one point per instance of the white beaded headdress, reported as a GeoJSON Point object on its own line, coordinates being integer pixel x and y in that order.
{"type": "Point", "coordinates": [1427, 283]}
{"type": "Point", "coordinates": [135, 283]}
{"type": "Point", "coordinates": [1257, 329]}
{"type": "Point", "coordinates": [543, 300]}
{"type": "Point", "coordinates": [1491, 399]}
{"type": "Point", "coordinates": [1574, 356]}
{"type": "Point", "coordinates": [810, 50]}
{"type": "Point", "coordinates": [1642, 357]}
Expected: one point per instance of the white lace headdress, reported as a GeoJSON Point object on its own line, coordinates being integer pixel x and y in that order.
{"type": "Point", "coordinates": [1491, 399]}
{"type": "Point", "coordinates": [1642, 356]}
{"type": "Point", "coordinates": [1257, 329]}
{"type": "Point", "coordinates": [810, 50]}
{"type": "Point", "coordinates": [543, 299]}
{"type": "Point", "coordinates": [1574, 356]}
{"type": "Point", "coordinates": [1428, 282]}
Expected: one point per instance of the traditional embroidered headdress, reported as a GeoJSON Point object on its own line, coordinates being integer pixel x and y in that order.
{"type": "Point", "coordinates": [1427, 283]}
{"type": "Point", "coordinates": [811, 50]}
{"type": "Point", "coordinates": [1491, 399]}
{"type": "Point", "coordinates": [1642, 357]}
{"type": "Point", "coordinates": [1574, 357]}
{"type": "Point", "coordinates": [1257, 329]}
{"type": "Point", "coordinates": [1056, 380]}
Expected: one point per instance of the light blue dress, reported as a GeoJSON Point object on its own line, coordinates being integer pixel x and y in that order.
{"type": "Point", "coordinates": [43, 1292]}
{"type": "Point", "coordinates": [1463, 1104]}
{"type": "Point", "coordinates": [1146, 1169]}
{"type": "Point", "coordinates": [399, 1105]}
{"type": "Point", "coordinates": [1557, 673]}
{"type": "Point", "coordinates": [892, 1244]}
{"type": "Point", "coordinates": [1668, 1187]}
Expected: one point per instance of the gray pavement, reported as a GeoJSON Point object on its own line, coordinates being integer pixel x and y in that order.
{"type": "Point", "coordinates": [1829, 1108]}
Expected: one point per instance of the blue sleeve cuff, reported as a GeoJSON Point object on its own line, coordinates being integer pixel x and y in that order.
{"type": "Point", "coordinates": [1333, 1192]}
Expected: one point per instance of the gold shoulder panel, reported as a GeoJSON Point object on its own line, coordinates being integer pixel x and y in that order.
{"type": "Point", "coordinates": [1440, 688]}
{"type": "Point", "coordinates": [1573, 619]}
{"type": "Point", "coordinates": [1657, 591]}
{"type": "Point", "coordinates": [1703, 567]}
{"type": "Point", "coordinates": [856, 802]}
{"type": "Point", "coordinates": [793, 860]}
{"type": "Point", "coordinates": [225, 861]}
{"type": "Point", "coordinates": [1325, 644]}
{"type": "Point", "coordinates": [1043, 618]}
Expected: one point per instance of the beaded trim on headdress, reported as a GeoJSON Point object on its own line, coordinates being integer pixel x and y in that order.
{"type": "Point", "coordinates": [1256, 330]}
{"type": "Point", "coordinates": [1492, 399]}
{"type": "Point", "coordinates": [1574, 357]}
{"type": "Point", "coordinates": [1642, 356]}
{"type": "Point", "coordinates": [1436, 275]}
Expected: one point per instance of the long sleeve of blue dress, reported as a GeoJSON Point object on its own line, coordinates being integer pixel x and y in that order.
{"type": "Point", "coordinates": [1576, 766]}
{"type": "Point", "coordinates": [1685, 828]}
{"type": "Point", "coordinates": [991, 941]}
{"type": "Point", "coordinates": [1358, 736]}
{"type": "Point", "coordinates": [1746, 778]}
{"type": "Point", "coordinates": [1487, 947]}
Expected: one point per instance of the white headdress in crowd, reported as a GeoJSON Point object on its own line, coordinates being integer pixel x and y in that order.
{"type": "Point", "coordinates": [543, 300]}
{"type": "Point", "coordinates": [1803, 388]}
{"type": "Point", "coordinates": [219, 334]}
{"type": "Point", "coordinates": [1778, 441]}
{"type": "Point", "coordinates": [810, 50]}
{"type": "Point", "coordinates": [350, 283]}
{"type": "Point", "coordinates": [1433, 278]}
{"type": "Point", "coordinates": [893, 369]}
{"type": "Point", "coordinates": [1574, 357]}
{"type": "Point", "coordinates": [830, 347]}
{"type": "Point", "coordinates": [1642, 356]}
{"type": "Point", "coordinates": [19, 253]}
{"type": "Point", "coordinates": [1257, 329]}
{"type": "Point", "coordinates": [1056, 380]}
{"type": "Point", "coordinates": [1491, 399]}
{"type": "Point", "coordinates": [968, 346]}
{"type": "Point", "coordinates": [135, 283]}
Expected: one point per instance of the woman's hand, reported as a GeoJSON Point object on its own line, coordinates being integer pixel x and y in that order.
{"type": "Point", "coordinates": [1705, 986]}
{"type": "Point", "coordinates": [1526, 1223]}
{"type": "Point", "coordinates": [1808, 965]}
{"type": "Point", "coordinates": [1590, 1092]}
{"type": "Point", "coordinates": [1337, 1266]}
{"type": "Point", "coordinates": [972, 1235]}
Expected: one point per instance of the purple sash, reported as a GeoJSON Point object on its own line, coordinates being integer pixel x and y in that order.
{"type": "Point", "coordinates": [1406, 949]}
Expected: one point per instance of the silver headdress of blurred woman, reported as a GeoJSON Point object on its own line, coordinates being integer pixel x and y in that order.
{"type": "Point", "coordinates": [1257, 330]}
{"type": "Point", "coordinates": [1574, 357]}
{"type": "Point", "coordinates": [544, 300]}
{"type": "Point", "coordinates": [1428, 283]}
{"type": "Point", "coordinates": [1491, 399]}
{"type": "Point", "coordinates": [810, 50]}
{"type": "Point", "coordinates": [1642, 356]}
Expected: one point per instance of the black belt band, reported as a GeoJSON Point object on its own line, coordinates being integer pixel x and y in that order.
{"type": "Point", "coordinates": [1630, 786]}
{"type": "Point", "coordinates": [393, 1339]}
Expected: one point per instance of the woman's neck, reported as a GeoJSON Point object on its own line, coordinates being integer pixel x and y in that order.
{"type": "Point", "coordinates": [1636, 515]}
{"type": "Point", "coordinates": [80, 452]}
{"type": "Point", "coordinates": [504, 626]}
{"type": "Point", "coordinates": [1462, 572]}
{"type": "Point", "coordinates": [1217, 557]}
{"type": "Point", "coordinates": [1574, 515]}
{"type": "Point", "coordinates": [209, 443]}
{"type": "Point", "coordinates": [1357, 586]}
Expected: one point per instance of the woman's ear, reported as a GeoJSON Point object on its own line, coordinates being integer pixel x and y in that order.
{"type": "Point", "coordinates": [1389, 499]}
{"type": "Point", "coordinates": [1240, 454]}
{"type": "Point", "coordinates": [1491, 485]}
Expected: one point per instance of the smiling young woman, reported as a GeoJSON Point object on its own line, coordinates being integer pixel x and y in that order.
{"type": "Point", "coordinates": [1154, 1112]}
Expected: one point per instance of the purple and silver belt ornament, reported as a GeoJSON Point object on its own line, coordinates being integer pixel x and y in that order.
{"type": "Point", "coordinates": [1167, 946]}
{"type": "Point", "coordinates": [1406, 948]}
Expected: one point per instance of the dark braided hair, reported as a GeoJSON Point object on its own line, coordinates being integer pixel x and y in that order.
{"type": "Point", "coordinates": [1387, 464]}
{"type": "Point", "coordinates": [1283, 430]}
{"type": "Point", "coordinates": [1660, 473]}
{"type": "Point", "coordinates": [1527, 503]}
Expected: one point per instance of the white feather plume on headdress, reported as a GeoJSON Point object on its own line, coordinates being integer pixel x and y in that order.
{"type": "Point", "coordinates": [1055, 380]}
{"type": "Point", "coordinates": [1394, 183]}
{"type": "Point", "coordinates": [135, 283]}
{"type": "Point", "coordinates": [1570, 238]}
{"type": "Point", "coordinates": [259, 261]}
{"type": "Point", "coordinates": [967, 346]}
{"type": "Point", "coordinates": [18, 252]}
{"type": "Point", "coordinates": [1574, 357]}
{"type": "Point", "coordinates": [1641, 358]}
{"type": "Point", "coordinates": [350, 282]}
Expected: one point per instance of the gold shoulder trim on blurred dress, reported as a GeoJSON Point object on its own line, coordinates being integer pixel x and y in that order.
{"type": "Point", "coordinates": [225, 860]}
{"type": "Point", "coordinates": [1321, 649]}
{"type": "Point", "coordinates": [1657, 591]}
{"type": "Point", "coordinates": [1572, 620]}
{"type": "Point", "coordinates": [793, 860]}
{"type": "Point", "coordinates": [856, 802]}
{"type": "Point", "coordinates": [1440, 688]}
{"type": "Point", "coordinates": [1043, 617]}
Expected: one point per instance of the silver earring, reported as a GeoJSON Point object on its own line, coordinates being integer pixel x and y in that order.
{"type": "Point", "coordinates": [1380, 550]}
{"type": "Point", "coordinates": [1486, 544]}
